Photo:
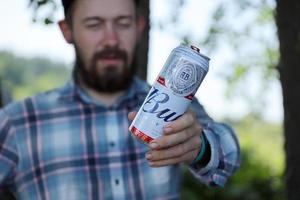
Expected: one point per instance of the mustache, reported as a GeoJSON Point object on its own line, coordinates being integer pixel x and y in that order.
{"type": "Point", "coordinates": [110, 52]}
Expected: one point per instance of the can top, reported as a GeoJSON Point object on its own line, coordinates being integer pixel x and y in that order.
{"type": "Point", "coordinates": [189, 48]}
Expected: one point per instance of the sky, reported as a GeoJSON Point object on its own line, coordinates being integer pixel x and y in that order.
{"type": "Point", "coordinates": [19, 35]}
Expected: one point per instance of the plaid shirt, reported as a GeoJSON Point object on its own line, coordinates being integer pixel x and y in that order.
{"type": "Point", "coordinates": [64, 145]}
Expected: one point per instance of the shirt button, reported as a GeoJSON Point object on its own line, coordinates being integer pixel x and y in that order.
{"type": "Point", "coordinates": [117, 181]}
{"type": "Point", "coordinates": [112, 144]}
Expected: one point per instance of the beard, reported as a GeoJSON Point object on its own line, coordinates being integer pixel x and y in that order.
{"type": "Point", "coordinates": [112, 79]}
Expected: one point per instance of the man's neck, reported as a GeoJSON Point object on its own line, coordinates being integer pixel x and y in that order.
{"type": "Point", "coordinates": [106, 98]}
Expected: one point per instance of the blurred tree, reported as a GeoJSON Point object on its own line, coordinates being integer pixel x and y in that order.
{"type": "Point", "coordinates": [141, 59]}
{"type": "Point", "coordinates": [1, 103]}
{"type": "Point", "coordinates": [288, 23]}
{"type": "Point", "coordinates": [44, 12]}
{"type": "Point", "coordinates": [24, 76]}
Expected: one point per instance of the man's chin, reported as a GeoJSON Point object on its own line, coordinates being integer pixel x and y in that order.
{"type": "Point", "coordinates": [112, 86]}
{"type": "Point", "coordinates": [111, 80]}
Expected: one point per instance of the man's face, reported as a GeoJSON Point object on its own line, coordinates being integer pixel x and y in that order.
{"type": "Point", "coordinates": [104, 33]}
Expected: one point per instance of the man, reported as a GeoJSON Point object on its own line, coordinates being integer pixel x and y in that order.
{"type": "Point", "coordinates": [73, 142]}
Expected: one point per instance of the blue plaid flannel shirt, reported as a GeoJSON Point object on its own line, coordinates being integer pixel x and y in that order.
{"type": "Point", "coordinates": [64, 145]}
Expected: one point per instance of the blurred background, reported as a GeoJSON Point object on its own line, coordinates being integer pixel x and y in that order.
{"type": "Point", "coordinates": [242, 88]}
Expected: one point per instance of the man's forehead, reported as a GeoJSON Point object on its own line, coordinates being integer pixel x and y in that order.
{"type": "Point", "coordinates": [104, 8]}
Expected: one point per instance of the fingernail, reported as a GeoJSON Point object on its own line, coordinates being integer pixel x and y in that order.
{"type": "Point", "coordinates": [151, 164]}
{"type": "Point", "coordinates": [153, 145]}
{"type": "Point", "coordinates": [149, 156]}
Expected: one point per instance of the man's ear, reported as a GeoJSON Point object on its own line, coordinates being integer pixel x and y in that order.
{"type": "Point", "coordinates": [141, 23]}
{"type": "Point", "coordinates": [66, 30]}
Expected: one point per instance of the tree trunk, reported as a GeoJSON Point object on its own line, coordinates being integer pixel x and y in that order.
{"type": "Point", "coordinates": [288, 23]}
{"type": "Point", "coordinates": [141, 59]}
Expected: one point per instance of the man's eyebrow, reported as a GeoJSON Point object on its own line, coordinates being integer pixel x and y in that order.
{"type": "Point", "coordinates": [125, 17]}
{"type": "Point", "coordinates": [96, 18]}
{"type": "Point", "coordinates": [87, 19]}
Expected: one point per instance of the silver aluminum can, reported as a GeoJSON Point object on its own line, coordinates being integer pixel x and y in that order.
{"type": "Point", "coordinates": [171, 93]}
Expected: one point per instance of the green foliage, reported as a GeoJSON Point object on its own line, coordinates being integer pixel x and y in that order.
{"type": "Point", "coordinates": [247, 29]}
{"type": "Point", "coordinates": [24, 77]}
{"type": "Point", "coordinates": [260, 175]}
{"type": "Point", "coordinates": [253, 181]}
{"type": "Point", "coordinates": [265, 139]}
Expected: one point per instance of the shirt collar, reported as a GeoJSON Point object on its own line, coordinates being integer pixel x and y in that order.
{"type": "Point", "coordinates": [74, 92]}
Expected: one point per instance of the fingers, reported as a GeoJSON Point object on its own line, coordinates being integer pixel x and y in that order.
{"type": "Point", "coordinates": [183, 122]}
{"type": "Point", "coordinates": [185, 152]}
{"type": "Point", "coordinates": [167, 141]}
{"type": "Point", "coordinates": [183, 129]}
{"type": "Point", "coordinates": [176, 160]}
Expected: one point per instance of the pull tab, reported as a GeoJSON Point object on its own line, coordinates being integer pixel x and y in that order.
{"type": "Point", "coordinates": [195, 48]}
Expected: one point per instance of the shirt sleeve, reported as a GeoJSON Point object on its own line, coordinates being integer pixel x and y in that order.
{"type": "Point", "coordinates": [224, 148]}
{"type": "Point", "coordinates": [8, 151]}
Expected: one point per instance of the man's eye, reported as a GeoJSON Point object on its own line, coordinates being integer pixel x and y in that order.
{"type": "Point", "coordinates": [93, 26]}
{"type": "Point", "coordinates": [124, 23]}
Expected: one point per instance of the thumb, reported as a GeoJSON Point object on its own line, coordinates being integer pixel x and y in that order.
{"type": "Point", "coordinates": [131, 115]}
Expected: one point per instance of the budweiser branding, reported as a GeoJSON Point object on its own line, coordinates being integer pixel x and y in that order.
{"type": "Point", "coordinates": [171, 93]}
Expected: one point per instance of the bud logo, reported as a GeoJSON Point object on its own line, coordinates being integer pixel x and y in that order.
{"type": "Point", "coordinates": [155, 104]}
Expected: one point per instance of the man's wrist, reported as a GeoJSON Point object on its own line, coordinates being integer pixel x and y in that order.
{"type": "Point", "coordinates": [204, 154]}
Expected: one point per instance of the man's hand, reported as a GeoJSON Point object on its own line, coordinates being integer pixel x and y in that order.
{"type": "Point", "coordinates": [180, 142]}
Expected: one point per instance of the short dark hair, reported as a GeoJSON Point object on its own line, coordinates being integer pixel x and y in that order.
{"type": "Point", "coordinates": [68, 6]}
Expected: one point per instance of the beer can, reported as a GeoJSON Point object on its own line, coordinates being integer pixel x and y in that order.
{"type": "Point", "coordinates": [171, 93]}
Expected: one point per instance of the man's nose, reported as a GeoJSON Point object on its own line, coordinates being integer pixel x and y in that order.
{"type": "Point", "coordinates": [111, 36]}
